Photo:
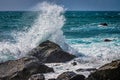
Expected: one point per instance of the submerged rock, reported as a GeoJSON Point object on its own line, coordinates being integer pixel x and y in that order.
{"type": "Point", "coordinates": [22, 69]}
{"type": "Point", "coordinates": [50, 52]}
{"type": "Point", "coordinates": [107, 40]}
{"type": "Point", "coordinates": [74, 63]}
{"type": "Point", "coordinates": [70, 76]}
{"type": "Point", "coordinates": [103, 24]}
{"type": "Point", "coordinates": [110, 71]}
{"type": "Point", "coordinates": [37, 77]}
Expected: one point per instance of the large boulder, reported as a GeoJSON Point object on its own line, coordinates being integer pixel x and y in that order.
{"type": "Point", "coordinates": [22, 69]}
{"type": "Point", "coordinates": [110, 71]}
{"type": "Point", "coordinates": [50, 52]}
{"type": "Point", "coordinates": [70, 76]}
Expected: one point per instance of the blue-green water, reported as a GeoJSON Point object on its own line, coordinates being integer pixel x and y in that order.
{"type": "Point", "coordinates": [81, 31]}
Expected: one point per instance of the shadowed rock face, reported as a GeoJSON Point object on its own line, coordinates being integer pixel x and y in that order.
{"type": "Point", "coordinates": [22, 69]}
{"type": "Point", "coordinates": [50, 52]}
{"type": "Point", "coordinates": [110, 71]}
{"type": "Point", "coordinates": [66, 76]}
{"type": "Point", "coordinates": [78, 77]}
{"type": "Point", "coordinates": [70, 76]}
{"type": "Point", "coordinates": [88, 69]}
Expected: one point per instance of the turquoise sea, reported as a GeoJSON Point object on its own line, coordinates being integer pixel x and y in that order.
{"type": "Point", "coordinates": [81, 31]}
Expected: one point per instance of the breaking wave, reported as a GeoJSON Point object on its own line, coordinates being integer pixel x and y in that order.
{"type": "Point", "coordinates": [47, 26]}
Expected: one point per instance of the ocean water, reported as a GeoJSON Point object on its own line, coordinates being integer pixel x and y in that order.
{"type": "Point", "coordinates": [83, 32]}
{"type": "Point", "coordinates": [77, 32]}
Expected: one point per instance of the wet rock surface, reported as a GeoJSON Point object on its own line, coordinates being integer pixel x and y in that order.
{"type": "Point", "coordinates": [103, 24]}
{"type": "Point", "coordinates": [33, 67]}
{"type": "Point", "coordinates": [110, 71]}
{"type": "Point", "coordinates": [49, 52]}
{"type": "Point", "coordinates": [52, 79]}
{"type": "Point", "coordinates": [107, 40]}
{"type": "Point", "coordinates": [22, 69]}
{"type": "Point", "coordinates": [78, 77]}
{"type": "Point", "coordinates": [74, 63]}
{"type": "Point", "coordinates": [70, 76]}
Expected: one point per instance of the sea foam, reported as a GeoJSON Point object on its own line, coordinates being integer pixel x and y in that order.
{"type": "Point", "coordinates": [47, 26]}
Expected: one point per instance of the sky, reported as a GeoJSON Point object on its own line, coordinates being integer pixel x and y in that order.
{"type": "Point", "coordinates": [78, 5]}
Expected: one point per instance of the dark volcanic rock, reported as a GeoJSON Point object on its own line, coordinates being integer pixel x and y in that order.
{"type": "Point", "coordinates": [110, 71]}
{"type": "Point", "coordinates": [103, 24]}
{"type": "Point", "coordinates": [78, 77]}
{"type": "Point", "coordinates": [74, 63]}
{"type": "Point", "coordinates": [22, 69]}
{"type": "Point", "coordinates": [37, 77]}
{"type": "Point", "coordinates": [107, 40]}
{"type": "Point", "coordinates": [50, 52]}
{"type": "Point", "coordinates": [66, 76]}
{"type": "Point", "coordinates": [70, 76]}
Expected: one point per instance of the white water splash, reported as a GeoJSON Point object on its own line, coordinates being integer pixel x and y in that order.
{"type": "Point", "coordinates": [47, 26]}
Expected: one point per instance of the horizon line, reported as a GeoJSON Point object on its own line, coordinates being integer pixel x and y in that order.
{"type": "Point", "coordinates": [65, 10]}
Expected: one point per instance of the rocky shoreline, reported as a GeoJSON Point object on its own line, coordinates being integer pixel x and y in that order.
{"type": "Point", "coordinates": [33, 66]}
